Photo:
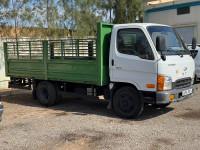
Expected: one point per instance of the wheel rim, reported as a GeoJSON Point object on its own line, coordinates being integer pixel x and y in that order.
{"type": "Point", "coordinates": [125, 104]}
{"type": "Point", "coordinates": [44, 95]}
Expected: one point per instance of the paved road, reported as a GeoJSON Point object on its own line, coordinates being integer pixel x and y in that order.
{"type": "Point", "coordinates": [78, 124]}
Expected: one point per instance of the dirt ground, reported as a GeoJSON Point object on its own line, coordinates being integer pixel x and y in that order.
{"type": "Point", "coordinates": [79, 124]}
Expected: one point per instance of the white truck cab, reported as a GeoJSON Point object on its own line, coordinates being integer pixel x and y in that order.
{"type": "Point", "coordinates": [154, 60]}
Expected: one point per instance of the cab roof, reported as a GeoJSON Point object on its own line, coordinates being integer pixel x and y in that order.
{"type": "Point", "coordinates": [140, 24]}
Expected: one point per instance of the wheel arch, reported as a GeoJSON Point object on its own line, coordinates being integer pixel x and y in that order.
{"type": "Point", "coordinates": [118, 85]}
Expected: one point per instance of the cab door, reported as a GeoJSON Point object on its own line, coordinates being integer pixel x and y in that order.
{"type": "Point", "coordinates": [132, 59]}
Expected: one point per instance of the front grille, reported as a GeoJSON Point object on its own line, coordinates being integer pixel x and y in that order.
{"type": "Point", "coordinates": [183, 83]}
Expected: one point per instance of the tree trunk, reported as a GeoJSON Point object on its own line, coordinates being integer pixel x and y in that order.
{"type": "Point", "coordinates": [16, 35]}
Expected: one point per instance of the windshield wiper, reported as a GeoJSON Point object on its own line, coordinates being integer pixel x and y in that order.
{"type": "Point", "coordinates": [181, 52]}
{"type": "Point", "coordinates": [170, 50]}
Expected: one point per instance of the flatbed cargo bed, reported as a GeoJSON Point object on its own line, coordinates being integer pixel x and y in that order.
{"type": "Point", "coordinates": [72, 60]}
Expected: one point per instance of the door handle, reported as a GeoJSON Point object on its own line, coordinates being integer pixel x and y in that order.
{"type": "Point", "coordinates": [118, 67]}
{"type": "Point", "coordinates": [113, 62]}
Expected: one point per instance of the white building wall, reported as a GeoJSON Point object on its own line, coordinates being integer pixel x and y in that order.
{"type": "Point", "coordinates": [170, 17]}
{"type": "Point", "coordinates": [3, 78]}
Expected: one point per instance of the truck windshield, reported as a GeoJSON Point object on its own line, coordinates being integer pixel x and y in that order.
{"type": "Point", "coordinates": [174, 44]}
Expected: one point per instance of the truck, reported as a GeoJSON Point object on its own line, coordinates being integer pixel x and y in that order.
{"type": "Point", "coordinates": [130, 65]}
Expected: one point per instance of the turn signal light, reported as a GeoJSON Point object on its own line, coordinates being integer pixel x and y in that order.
{"type": "Point", "coordinates": [195, 91]}
{"type": "Point", "coordinates": [171, 97]}
{"type": "Point", "coordinates": [150, 86]}
{"type": "Point", "coordinates": [160, 83]}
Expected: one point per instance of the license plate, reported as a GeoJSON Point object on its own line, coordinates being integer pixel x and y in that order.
{"type": "Point", "coordinates": [187, 92]}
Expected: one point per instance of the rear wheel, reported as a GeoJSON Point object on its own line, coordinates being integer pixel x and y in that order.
{"type": "Point", "coordinates": [127, 103]}
{"type": "Point", "coordinates": [46, 93]}
{"type": "Point", "coordinates": [58, 97]}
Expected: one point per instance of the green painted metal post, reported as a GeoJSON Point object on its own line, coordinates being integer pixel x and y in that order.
{"type": "Point", "coordinates": [99, 53]}
{"type": "Point", "coordinates": [77, 48]}
{"type": "Point", "coordinates": [30, 50]}
{"type": "Point", "coordinates": [72, 47]}
{"type": "Point", "coordinates": [17, 50]}
{"type": "Point", "coordinates": [90, 49]}
{"type": "Point", "coordinates": [6, 57]}
{"type": "Point", "coordinates": [14, 49]}
{"type": "Point", "coordinates": [45, 57]}
{"type": "Point", "coordinates": [62, 47]}
{"type": "Point", "coordinates": [103, 44]}
{"type": "Point", "coordinates": [52, 50]}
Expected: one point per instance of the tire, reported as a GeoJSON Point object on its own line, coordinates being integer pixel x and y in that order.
{"type": "Point", "coordinates": [58, 97]}
{"type": "Point", "coordinates": [46, 93]}
{"type": "Point", "coordinates": [161, 105]}
{"type": "Point", "coordinates": [127, 103]}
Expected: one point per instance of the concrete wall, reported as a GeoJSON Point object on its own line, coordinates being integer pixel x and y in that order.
{"type": "Point", "coordinates": [170, 17]}
{"type": "Point", "coordinates": [3, 78]}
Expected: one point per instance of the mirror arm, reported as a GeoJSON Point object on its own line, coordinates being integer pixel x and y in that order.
{"type": "Point", "coordinates": [163, 56]}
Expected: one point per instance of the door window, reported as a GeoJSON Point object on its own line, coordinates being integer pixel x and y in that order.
{"type": "Point", "coordinates": [134, 42]}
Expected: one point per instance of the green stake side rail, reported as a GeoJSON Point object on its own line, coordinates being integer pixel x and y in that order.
{"type": "Point", "coordinates": [72, 60]}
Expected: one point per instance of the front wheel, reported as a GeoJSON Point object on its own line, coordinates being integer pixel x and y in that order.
{"type": "Point", "coordinates": [127, 103]}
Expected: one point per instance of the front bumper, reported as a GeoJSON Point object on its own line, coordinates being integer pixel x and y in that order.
{"type": "Point", "coordinates": [1, 111]}
{"type": "Point", "coordinates": [162, 97]}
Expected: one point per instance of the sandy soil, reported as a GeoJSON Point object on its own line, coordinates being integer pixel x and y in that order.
{"type": "Point", "coordinates": [79, 124]}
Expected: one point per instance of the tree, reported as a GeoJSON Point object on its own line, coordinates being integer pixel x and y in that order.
{"type": "Point", "coordinates": [82, 16]}
{"type": "Point", "coordinates": [126, 11]}
{"type": "Point", "coordinates": [122, 11]}
{"type": "Point", "coordinates": [53, 17]}
{"type": "Point", "coordinates": [71, 13]}
{"type": "Point", "coordinates": [89, 15]}
{"type": "Point", "coordinates": [4, 5]}
{"type": "Point", "coordinates": [108, 5]}
{"type": "Point", "coordinates": [17, 12]}
{"type": "Point", "coordinates": [46, 16]}
{"type": "Point", "coordinates": [64, 15]}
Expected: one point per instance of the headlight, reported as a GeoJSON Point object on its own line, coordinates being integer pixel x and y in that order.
{"type": "Point", "coordinates": [164, 83]}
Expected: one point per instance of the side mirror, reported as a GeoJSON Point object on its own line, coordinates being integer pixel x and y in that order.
{"type": "Point", "coordinates": [160, 43]}
{"type": "Point", "coordinates": [193, 53]}
{"type": "Point", "coordinates": [194, 43]}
